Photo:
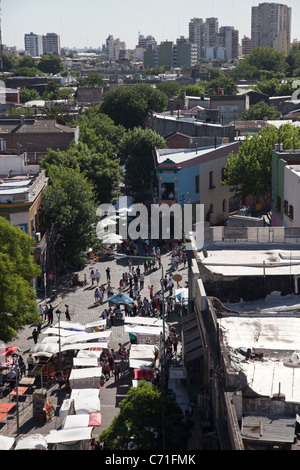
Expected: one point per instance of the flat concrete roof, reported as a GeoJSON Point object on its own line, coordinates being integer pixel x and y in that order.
{"type": "Point", "coordinates": [276, 335]}
{"type": "Point", "coordinates": [256, 262]}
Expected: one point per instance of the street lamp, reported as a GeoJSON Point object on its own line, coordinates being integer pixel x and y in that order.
{"type": "Point", "coordinates": [58, 313]}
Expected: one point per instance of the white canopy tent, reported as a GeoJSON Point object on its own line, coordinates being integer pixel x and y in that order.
{"type": "Point", "coordinates": [77, 421]}
{"type": "Point", "coordinates": [86, 400]}
{"type": "Point", "coordinates": [88, 361]}
{"type": "Point", "coordinates": [143, 330]}
{"type": "Point", "coordinates": [88, 377]}
{"type": "Point", "coordinates": [34, 441]}
{"type": "Point", "coordinates": [64, 409]}
{"type": "Point", "coordinates": [49, 348]}
{"type": "Point", "coordinates": [96, 324]}
{"type": "Point", "coordinates": [68, 325]}
{"type": "Point", "coordinates": [77, 346]}
{"type": "Point", "coordinates": [143, 321]}
{"type": "Point", "coordinates": [86, 353]}
{"type": "Point", "coordinates": [140, 363]}
{"type": "Point", "coordinates": [6, 442]}
{"type": "Point", "coordinates": [142, 354]}
{"type": "Point", "coordinates": [69, 438]}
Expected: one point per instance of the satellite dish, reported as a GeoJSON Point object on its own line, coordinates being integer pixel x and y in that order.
{"type": "Point", "coordinates": [295, 358]}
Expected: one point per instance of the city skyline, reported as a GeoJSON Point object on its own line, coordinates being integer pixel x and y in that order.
{"type": "Point", "coordinates": [89, 27]}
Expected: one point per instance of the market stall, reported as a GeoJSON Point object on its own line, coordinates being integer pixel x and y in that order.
{"type": "Point", "coordinates": [32, 442]}
{"type": "Point", "coordinates": [87, 377]}
{"type": "Point", "coordinates": [6, 443]}
{"type": "Point", "coordinates": [88, 361]}
{"type": "Point", "coordinates": [70, 439]}
{"type": "Point", "coordinates": [86, 400]}
{"type": "Point", "coordinates": [82, 420]}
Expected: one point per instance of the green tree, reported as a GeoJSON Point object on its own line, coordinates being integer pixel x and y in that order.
{"type": "Point", "coordinates": [92, 79]}
{"type": "Point", "coordinates": [225, 83]}
{"type": "Point", "coordinates": [17, 272]}
{"type": "Point", "coordinates": [99, 131]}
{"type": "Point", "coordinates": [27, 94]}
{"type": "Point", "coordinates": [51, 92]}
{"type": "Point", "coordinates": [249, 173]}
{"type": "Point", "coordinates": [50, 64]}
{"type": "Point", "coordinates": [130, 106]}
{"type": "Point", "coordinates": [140, 422]}
{"type": "Point", "coordinates": [137, 149]}
{"type": "Point", "coordinates": [259, 111]}
{"type": "Point", "coordinates": [170, 88]}
{"type": "Point", "coordinates": [293, 61]}
{"type": "Point", "coordinates": [267, 58]}
{"type": "Point", "coordinates": [101, 170]}
{"type": "Point", "coordinates": [194, 90]}
{"type": "Point", "coordinates": [69, 206]}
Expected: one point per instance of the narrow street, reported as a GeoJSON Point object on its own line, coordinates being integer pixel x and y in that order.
{"type": "Point", "coordinates": [83, 310]}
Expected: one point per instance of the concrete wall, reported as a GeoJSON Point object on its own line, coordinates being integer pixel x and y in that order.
{"type": "Point", "coordinates": [252, 235]}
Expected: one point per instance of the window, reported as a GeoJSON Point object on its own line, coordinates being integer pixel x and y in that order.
{"type": "Point", "coordinates": [285, 207]}
{"type": "Point", "coordinates": [224, 205]}
{"type": "Point", "coordinates": [197, 184]}
{"type": "Point", "coordinates": [291, 212]}
{"type": "Point", "coordinates": [167, 191]}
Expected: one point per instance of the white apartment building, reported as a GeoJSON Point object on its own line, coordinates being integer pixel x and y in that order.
{"type": "Point", "coordinates": [33, 44]}
{"type": "Point", "coordinates": [271, 26]}
{"type": "Point", "coordinates": [196, 35]}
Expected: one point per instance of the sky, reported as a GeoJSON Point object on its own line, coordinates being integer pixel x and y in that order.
{"type": "Point", "coordinates": [87, 23]}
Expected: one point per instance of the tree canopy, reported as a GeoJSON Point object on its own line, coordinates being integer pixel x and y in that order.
{"type": "Point", "coordinates": [260, 111]}
{"type": "Point", "coordinates": [69, 207]}
{"type": "Point", "coordinates": [17, 273]}
{"type": "Point", "coordinates": [140, 422]}
{"type": "Point", "coordinates": [250, 172]}
{"type": "Point", "coordinates": [137, 148]}
{"type": "Point", "coordinates": [130, 106]}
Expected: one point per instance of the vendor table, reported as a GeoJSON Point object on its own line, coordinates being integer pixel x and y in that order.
{"type": "Point", "coordinates": [21, 391]}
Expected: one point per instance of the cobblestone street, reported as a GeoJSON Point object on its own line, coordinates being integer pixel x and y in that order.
{"type": "Point", "coordinates": [83, 310]}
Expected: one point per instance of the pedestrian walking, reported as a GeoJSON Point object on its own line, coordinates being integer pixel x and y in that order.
{"type": "Point", "coordinates": [117, 371]}
{"type": "Point", "coordinates": [92, 277]}
{"type": "Point", "coordinates": [67, 312]}
{"type": "Point", "coordinates": [46, 311]}
{"type": "Point", "coordinates": [35, 335]}
{"type": "Point", "coordinates": [108, 274]}
{"type": "Point", "coordinates": [50, 315]}
{"type": "Point", "coordinates": [30, 363]}
{"type": "Point", "coordinates": [97, 295]}
{"type": "Point", "coordinates": [97, 276]}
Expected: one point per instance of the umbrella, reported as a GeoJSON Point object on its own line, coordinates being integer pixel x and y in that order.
{"type": "Point", "coordinates": [121, 299]}
{"type": "Point", "coordinates": [112, 239]}
{"type": "Point", "coordinates": [182, 295]}
{"type": "Point", "coordinates": [105, 222]}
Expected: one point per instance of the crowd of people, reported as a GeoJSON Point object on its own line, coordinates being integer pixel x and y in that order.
{"type": "Point", "coordinates": [133, 282]}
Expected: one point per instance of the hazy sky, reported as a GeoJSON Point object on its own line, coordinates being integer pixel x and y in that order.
{"type": "Point", "coordinates": [87, 23]}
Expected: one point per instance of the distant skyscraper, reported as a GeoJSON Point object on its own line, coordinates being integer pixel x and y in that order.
{"type": "Point", "coordinates": [228, 38]}
{"type": "Point", "coordinates": [51, 44]}
{"type": "Point", "coordinates": [211, 29]}
{"type": "Point", "coordinates": [271, 26]}
{"type": "Point", "coordinates": [196, 35]}
{"type": "Point", "coordinates": [246, 46]}
{"type": "Point", "coordinates": [33, 44]}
